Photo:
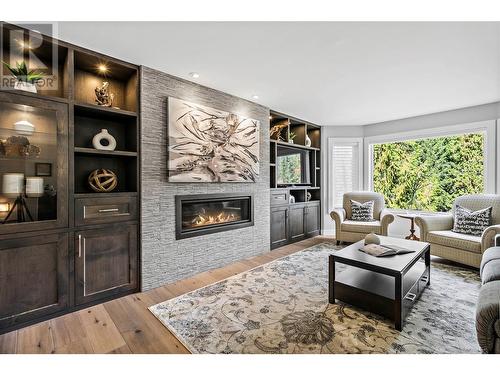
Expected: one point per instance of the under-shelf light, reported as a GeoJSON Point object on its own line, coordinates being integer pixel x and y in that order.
{"type": "Point", "coordinates": [102, 68]}
{"type": "Point", "coordinates": [4, 207]}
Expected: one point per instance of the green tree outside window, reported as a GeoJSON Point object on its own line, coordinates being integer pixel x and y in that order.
{"type": "Point", "coordinates": [428, 174]}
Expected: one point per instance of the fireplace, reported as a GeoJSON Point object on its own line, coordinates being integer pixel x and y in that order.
{"type": "Point", "coordinates": [197, 215]}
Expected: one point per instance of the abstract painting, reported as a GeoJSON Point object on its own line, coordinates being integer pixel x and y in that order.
{"type": "Point", "coordinates": [209, 145]}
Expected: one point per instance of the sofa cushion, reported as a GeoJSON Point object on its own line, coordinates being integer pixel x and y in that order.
{"type": "Point", "coordinates": [490, 265]}
{"type": "Point", "coordinates": [362, 211]}
{"type": "Point", "coordinates": [471, 222]}
{"type": "Point", "coordinates": [456, 240]}
{"type": "Point", "coordinates": [361, 226]}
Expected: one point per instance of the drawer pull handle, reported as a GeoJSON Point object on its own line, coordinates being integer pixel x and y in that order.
{"type": "Point", "coordinates": [411, 297]}
{"type": "Point", "coordinates": [104, 210]}
{"type": "Point", "coordinates": [424, 278]}
{"type": "Point", "coordinates": [79, 246]}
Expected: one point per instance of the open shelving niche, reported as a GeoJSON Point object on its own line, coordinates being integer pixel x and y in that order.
{"type": "Point", "coordinates": [300, 128]}
{"type": "Point", "coordinates": [120, 120]}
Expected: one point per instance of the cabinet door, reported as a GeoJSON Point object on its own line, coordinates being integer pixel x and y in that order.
{"type": "Point", "coordinates": [106, 262]}
{"type": "Point", "coordinates": [34, 274]}
{"type": "Point", "coordinates": [297, 223]}
{"type": "Point", "coordinates": [312, 215]}
{"type": "Point", "coordinates": [33, 163]}
{"type": "Point", "coordinates": [279, 226]}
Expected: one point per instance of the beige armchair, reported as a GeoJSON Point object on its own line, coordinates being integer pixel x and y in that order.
{"type": "Point", "coordinates": [351, 231]}
{"type": "Point", "coordinates": [461, 248]}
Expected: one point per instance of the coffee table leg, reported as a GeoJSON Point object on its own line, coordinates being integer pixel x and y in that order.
{"type": "Point", "coordinates": [398, 302]}
{"type": "Point", "coordinates": [428, 265]}
{"type": "Point", "coordinates": [331, 279]}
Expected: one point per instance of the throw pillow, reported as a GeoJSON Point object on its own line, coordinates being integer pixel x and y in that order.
{"type": "Point", "coordinates": [471, 222]}
{"type": "Point", "coordinates": [362, 211]}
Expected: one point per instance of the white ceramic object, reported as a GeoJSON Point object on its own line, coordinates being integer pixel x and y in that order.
{"type": "Point", "coordinates": [25, 86]}
{"type": "Point", "coordinates": [308, 141]}
{"type": "Point", "coordinates": [291, 199]}
{"type": "Point", "coordinates": [104, 135]}
{"type": "Point", "coordinates": [13, 184]}
{"type": "Point", "coordinates": [34, 187]}
{"type": "Point", "coordinates": [372, 238]}
{"type": "Point", "coordinates": [24, 127]}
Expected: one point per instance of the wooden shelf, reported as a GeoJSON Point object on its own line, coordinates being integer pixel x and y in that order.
{"type": "Point", "coordinates": [91, 151]}
{"type": "Point", "coordinates": [36, 95]}
{"type": "Point", "coordinates": [96, 110]}
{"type": "Point", "coordinates": [294, 145]}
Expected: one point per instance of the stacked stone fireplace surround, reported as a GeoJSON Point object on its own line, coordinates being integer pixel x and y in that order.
{"type": "Point", "coordinates": [165, 259]}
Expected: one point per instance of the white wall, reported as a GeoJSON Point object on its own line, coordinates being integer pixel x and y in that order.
{"type": "Point", "coordinates": [400, 227]}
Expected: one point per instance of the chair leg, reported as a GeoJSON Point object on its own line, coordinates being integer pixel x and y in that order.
{"type": "Point", "coordinates": [337, 243]}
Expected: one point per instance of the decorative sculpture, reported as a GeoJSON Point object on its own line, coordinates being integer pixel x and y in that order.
{"type": "Point", "coordinates": [19, 146]}
{"type": "Point", "coordinates": [103, 180]}
{"type": "Point", "coordinates": [103, 96]}
{"type": "Point", "coordinates": [275, 131]}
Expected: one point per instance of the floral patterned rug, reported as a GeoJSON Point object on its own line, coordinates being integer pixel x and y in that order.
{"type": "Point", "coordinates": [282, 307]}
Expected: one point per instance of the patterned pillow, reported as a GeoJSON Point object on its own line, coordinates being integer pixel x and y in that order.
{"type": "Point", "coordinates": [473, 223]}
{"type": "Point", "coordinates": [362, 211]}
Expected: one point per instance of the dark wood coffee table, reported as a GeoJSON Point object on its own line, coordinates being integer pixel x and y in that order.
{"type": "Point", "coordinates": [388, 286]}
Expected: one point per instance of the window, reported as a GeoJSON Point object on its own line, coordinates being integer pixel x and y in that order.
{"type": "Point", "coordinates": [346, 168]}
{"type": "Point", "coordinates": [429, 173]}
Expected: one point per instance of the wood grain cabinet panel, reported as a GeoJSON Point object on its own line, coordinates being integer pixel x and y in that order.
{"type": "Point", "coordinates": [297, 223]}
{"type": "Point", "coordinates": [105, 262]}
{"type": "Point", "coordinates": [33, 278]}
{"type": "Point", "coordinates": [312, 220]}
{"type": "Point", "coordinates": [279, 226]}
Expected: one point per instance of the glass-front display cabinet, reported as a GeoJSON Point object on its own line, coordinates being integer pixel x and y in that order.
{"type": "Point", "coordinates": [33, 163]}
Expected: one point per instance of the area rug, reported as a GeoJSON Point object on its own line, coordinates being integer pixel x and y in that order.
{"type": "Point", "coordinates": [282, 307]}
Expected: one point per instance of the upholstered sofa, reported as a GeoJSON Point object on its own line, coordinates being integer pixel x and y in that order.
{"type": "Point", "coordinates": [461, 248]}
{"type": "Point", "coordinates": [351, 231]}
{"type": "Point", "coordinates": [488, 304]}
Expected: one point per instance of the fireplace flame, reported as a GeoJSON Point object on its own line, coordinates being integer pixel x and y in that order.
{"type": "Point", "coordinates": [222, 217]}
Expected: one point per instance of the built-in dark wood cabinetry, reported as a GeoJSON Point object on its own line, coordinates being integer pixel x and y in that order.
{"type": "Point", "coordinates": [105, 262]}
{"type": "Point", "coordinates": [66, 247]}
{"type": "Point", "coordinates": [295, 204]}
{"type": "Point", "coordinates": [34, 278]}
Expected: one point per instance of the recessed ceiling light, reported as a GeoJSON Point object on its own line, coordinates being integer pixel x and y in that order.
{"type": "Point", "coordinates": [194, 75]}
{"type": "Point", "coordinates": [255, 96]}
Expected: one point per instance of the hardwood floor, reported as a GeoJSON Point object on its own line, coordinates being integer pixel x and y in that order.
{"type": "Point", "coordinates": [124, 325]}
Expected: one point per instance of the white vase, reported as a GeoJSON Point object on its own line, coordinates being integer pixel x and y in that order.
{"type": "Point", "coordinates": [104, 135]}
{"type": "Point", "coordinates": [308, 141]}
{"type": "Point", "coordinates": [24, 127]}
{"type": "Point", "coordinates": [25, 86]}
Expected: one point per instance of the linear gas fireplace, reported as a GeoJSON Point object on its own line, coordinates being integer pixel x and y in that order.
{"type": "Point", "coordinates": [196, 215]}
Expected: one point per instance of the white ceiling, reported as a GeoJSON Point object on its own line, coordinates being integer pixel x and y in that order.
{"type": "Point", "coordinates": [331, 73]}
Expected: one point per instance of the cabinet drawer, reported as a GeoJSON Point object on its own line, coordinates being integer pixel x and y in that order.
{"type": "Point", "coordinates": [279, 197]}
{"type": "Point", "coordinates": [105, 210]}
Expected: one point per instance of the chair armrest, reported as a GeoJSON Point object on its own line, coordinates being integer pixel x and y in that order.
{"type": "Point", "coordinates": [489, 234]}
{"type": "Point", "coordinates": [386, 218]}
{"type": "Point", "coordinates": [338, 215]}
{"type": "Point", "coordinates": [430, 223]}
